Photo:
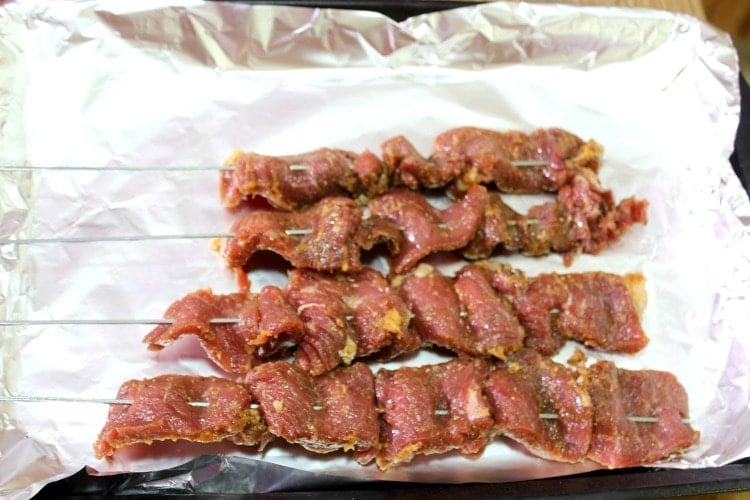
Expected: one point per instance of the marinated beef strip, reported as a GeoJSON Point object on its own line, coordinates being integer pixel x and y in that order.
{"type": "Point", "coordinates": [462, 157]}
{"type": "Point", "coordinates": [432, 409]}
{"type": "Point", "coordinates": [467, 156]}
{"type": "Point", "coordinates": [348, 316]}
{"type": "Point", "coordinates": [328, 236]}
{"type": "Point", "coordinates": [616, 396]}
{"type": "Point", "coordinates": [584, 218]}
{"type": "Point", "coordinates": [542, 405]}
{"type": "Point", "coordinates": [427, 229]}
{"type": "Point", "coordinates": [294, 182]}
{"type": "Point", "coordinates": [161, 411]}
{"type": "Point", "coordinates": [463, 314]}
{"type": "Point", "coordinates": [600, 310]}
{"type": "Point", "coordinates": [323, 414]}
{"type": "Point", "coordinates": [324, 319]}
{"type": "Point", "coordinates": [266, 323]}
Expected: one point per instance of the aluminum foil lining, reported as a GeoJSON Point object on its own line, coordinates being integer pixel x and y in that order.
{"type": "Point", "coordinates": [170, 83]}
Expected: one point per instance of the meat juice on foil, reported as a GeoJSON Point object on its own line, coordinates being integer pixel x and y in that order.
{"type": "Point", "coordinates": [183, 84]}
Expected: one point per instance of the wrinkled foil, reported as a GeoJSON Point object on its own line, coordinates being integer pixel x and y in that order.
{"type": "Point", "coordinates": [170, 83]}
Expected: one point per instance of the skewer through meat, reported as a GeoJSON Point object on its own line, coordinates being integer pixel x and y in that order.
{"type": "Point", "coordinates": [486, 310]}
{"type": "Point", "coordinates": [462, 157]}
{"type": "Point", "coordinates": [556, 412]}
{"type": "Point", "coordinates": [330, 235]}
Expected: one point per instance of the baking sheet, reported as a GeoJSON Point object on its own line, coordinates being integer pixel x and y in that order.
{"type": "Point", "coordinates": [185, 83]}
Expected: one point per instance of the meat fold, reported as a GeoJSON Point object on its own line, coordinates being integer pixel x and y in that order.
{"type": "Point", "coordinates": [266, 324]}
{"type": "Point", "coordinates": [322, 414]}
{"type": "Point", "coordinates": [467, 156]}
{"type": "Point", "coordinates": [296, 181]}
{"type": "Point", "coordinates": [432, 409]}
{"type": "Point", "coordinates": [348, 316]}
{"type": "Point", "coordinates": [326, 237]}
{"type": "Point", "coordinates": [160, 410]}
{"type": "Point", "coordinates": [600, 310]}
{"type": "Point", "coordinates": [426, 229]}
{"type": "Point", "coordinates": [323, 320]}
{"type": "Point", "coordinates": [583, 218]}
{"type": "Point", "coordinates": [540, 404]}
{"type": "Point", "coordinates": [616, 396]}
{"type": "Point", "coordinates": [462, 157]}
{"type": "Point", "coordinates": [463, 314]}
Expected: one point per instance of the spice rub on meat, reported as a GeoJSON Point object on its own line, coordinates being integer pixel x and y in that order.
{"type": "Point", "coordinates": [331, 235]}
{"type": "Point", "coordinates": [583, 218]}
{"type": "Point", "coordinates": [487, 309]}
{"type": "Point", "coordinates": [265, 323]}
{"type": "Point", "coordinates": [322, 414]}
{"type": "Point", "coordinates": [616, 417]}
{"type": "Point", "coordinates": [160, 409]}
{"type": "Point", "coordinates": [541, 405]}
{"type": "Point", "coordinates": [600, 310]}
{"type": "Point", "coordinates": [491, 309]}
{"type": "Point", "coordinates": [433, 409]}
{"type": "Point", "coordinates": [323, 320]}
{"type": "Point", "coordinates": [427, 229]}
{"type": "Point", "coordinates": [348, 316]}
{"type": "Point", "coordinates": [618, 440]}
{"type": "Point", "coordinates": [462, 157]}
{"type": "Point", "coordinates": [326, 237]}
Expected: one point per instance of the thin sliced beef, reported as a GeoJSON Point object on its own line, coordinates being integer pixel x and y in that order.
{"type": "Point", "coordinates": [289, 182]}
{"type": "Point", "coordinates": [348, 316]}
{"type": "Point", "coordinates": [540, 404]}
{"type": "Point", "coordinates": [466, 156]}
{"type": "Point", "coordinates": [266, 323]}
{"type": "Point", "coordinates": [464, 314]}
{"type": "Point", "coordinates": [427, 229]}
{"type": "Point", "coordinates": [161, 411]}
{"type": "Point", "coordinates": [462, 158]}
{"type": "Point", "coordinates": [322, 414]}
{"type": "Point", "coordinates": [328, 236]}
{"type": "Point", "coordinates": [601, 310]}
{"type": "Point", "coordinates": [616, 396]}
{"type": "Point", "coordinates": [584, 218]}
{"type": "Point", "coordinates": [432, 409]}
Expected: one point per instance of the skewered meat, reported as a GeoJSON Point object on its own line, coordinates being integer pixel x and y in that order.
{"type": "Point", "coordinates": [331, 235]}
{"type": "Point", "coordinates": [555, 412]}
{"type": "Point", "coordinates": [541, 405]}
{"type": "Point", "coordinates": [160, 410]}
{"type": "Point", "coordinates": [427, 229]}
{"type": "Point", "coordinates": [487, 309]}
{"type": "Point", "coordinates": [618, 441]}
{"type": "Point", "coordinates": [433, 409]}
{"type": "Point", "coordinates": [322, 414]}
{"type": "Point", "coordinates": [462, 157]}
{"type": "Point", "coordinates": [266, 322]}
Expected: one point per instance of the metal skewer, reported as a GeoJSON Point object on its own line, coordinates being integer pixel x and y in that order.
{"type": "Point", "coordinates": [145, 237]}
{"type": "Point", "coordinates": [204, 404]}
{"type": "Point", "coordinates": [292, 167]}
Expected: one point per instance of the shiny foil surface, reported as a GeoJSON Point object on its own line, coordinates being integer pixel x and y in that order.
{"type": "Point", "coordinates": [107, 84]}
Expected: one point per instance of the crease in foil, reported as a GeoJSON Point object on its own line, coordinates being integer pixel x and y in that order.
{"type": "Point", "coordinates": [107, 83]}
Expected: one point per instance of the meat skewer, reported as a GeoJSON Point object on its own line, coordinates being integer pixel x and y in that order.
{"type": "Point", "coordinates": [255, 406]}
{"type": "Point", "coordinates": [583, 219]}
{"type": "Point", "coordinates": [392, 415]}
{"type": "Point", "coordinates": [462, 157]}
{"type": "Point", "coordinates": [487, 309]}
